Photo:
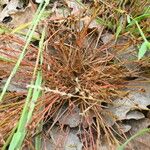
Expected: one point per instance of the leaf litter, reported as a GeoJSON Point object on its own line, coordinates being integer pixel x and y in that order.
{"type": "Point", "coordinates": [82, 58]}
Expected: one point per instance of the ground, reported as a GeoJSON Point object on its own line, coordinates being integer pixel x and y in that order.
{"type": "Point", "coordinates": [74, 75]}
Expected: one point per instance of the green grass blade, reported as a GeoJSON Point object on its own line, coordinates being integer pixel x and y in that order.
{"type": "Point", "coordinates": [141, 32]}
{"type": "Point", "coordinates": [6, 59]}
{"type": "Point", "coordinates": [138, 19]}
{"type": "Point", "coordinates": [36, 93]}
{"type": "Point", "coordinates": [103, 22]}
{"type": "Point", "coordinates": [119, 29]}
{"type": "Point", "coordinates": [34, 20]}
{"type": "Point", "coordinates": [143, 49]}
{"type": "Point", "coordinates": [21, 27]}
{"type": "Point", "coordinates": [140, 133]}
{"type": "Point", "coordinates": [38, 82]}
{"type": "Point", "coordinates": [38, 138]}
{"type": "Point", "coordinates": [128, 19]}
{"type": "Point", "coordinates": [21, 127]}
{"type": "Point", "coordinates": [15, 144]}
{"type": "Point", "coordinates": [28, 37]}
{"type": "Point", "coordinates": [27, 110]}
{"type": "Point", "coordinates": [4, 29]}
{"type": "Point", "coordinates": [146, 44]}
{"type": "Point", "coordinates": [9, 138]}
{"type": "Point", "coordinates": [29, 106]}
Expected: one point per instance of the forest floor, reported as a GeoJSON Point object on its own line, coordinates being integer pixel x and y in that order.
{"type": "Point", "coordinates": [74, 75]}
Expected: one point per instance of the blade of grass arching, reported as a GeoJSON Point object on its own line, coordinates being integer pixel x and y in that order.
{"type": "Point", "coordinates": [146, 44]}
{"type": "Point", "coordinates": [29, 104]}
{"type": "Point", "coordinates": [140, 133]}
{"type": "Point", "coordinates": [28, 39]}
{"type": "Point", "coordinates": [138, 19]}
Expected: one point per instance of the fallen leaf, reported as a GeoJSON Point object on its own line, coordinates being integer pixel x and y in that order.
{"type": "Point", "coordinates": [62, 140]}
{"type": "Point", "coordinates": [134, 114]}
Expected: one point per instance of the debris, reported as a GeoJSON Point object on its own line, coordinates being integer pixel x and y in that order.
{"type": "Point", "coordinates": [63, 140]}
{"type": "Point", "coordinates": [70, 118]}
{"type": "Point", "coordinates": [107, 37]}
{"type": "Point", "coordinates": [134, 101]}
{"type": "Point", "coordinates": [73, 142]}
